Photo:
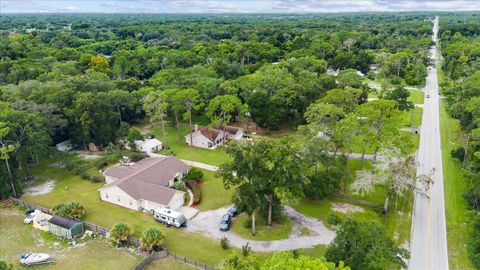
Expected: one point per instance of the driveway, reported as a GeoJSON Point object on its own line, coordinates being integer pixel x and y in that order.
{"type": "Point", "coordinates": [207, 223]}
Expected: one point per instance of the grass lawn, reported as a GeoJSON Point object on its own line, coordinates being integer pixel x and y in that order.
{"type": "Point", "coordinates": [17, 238]}
{"type": "Point", "coordinates": [454, 183]}
{"type": "Point", "coordinates": [168, 263]}
{"type": "Point", "coordinates": [71, 187]}
{"type": "Point", "coordinates": [416, 96]}
{"type": "Point", "coordinates": [280, 230]}
{"type": "Point", "coordinates": [176, 143]}
{"type": "Point", "coordinates": [214, 195]}
{"type": "Point", "coordinates": [412, 117]}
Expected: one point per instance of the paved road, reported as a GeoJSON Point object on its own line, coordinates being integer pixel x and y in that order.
{"type": "Point", "coordinates": [206, 222]}
{"type": "Point", "coordinates": [428, 245]}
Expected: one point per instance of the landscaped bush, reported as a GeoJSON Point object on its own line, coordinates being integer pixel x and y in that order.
{"type": "Point", "coordinates": [137, 157]}
{"type": "Point", "coordinates": [195, 188]}
{"type": "Point", "coordinates": [83, 175]}
{"type": "Point", "coordinates": [97, 179]}
{"type": "Point", "coordinates": [102, 164]}
{"type": "Point", "coordinates": [194, 174]}
{"type": "Point", "coordinates": [179, 185]}
{"type": "Point", "coordinates": [71, 209]}
{"type": "Point", "coordinates": [224, 242]}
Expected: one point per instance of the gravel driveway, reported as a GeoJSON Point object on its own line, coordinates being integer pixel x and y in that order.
{"type": "Point", "coordinates": [207, 223]}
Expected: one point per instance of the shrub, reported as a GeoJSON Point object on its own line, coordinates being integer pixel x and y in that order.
{"type": "Point", "coordinates": [102, 164]}
{"type": "Point", "coordinates": [179, 185]}
{"type": "Point", "coordinates": [152, 239]}
{"type": "Point", "coordinates": [458, 153]}
{"type": "Point", "coordinates": [334, 219]}
{"type": "Point", "coordinates": [224, 242]}
{"type": "Point", "coordinates": [5, 266]}
{"type": "Point", "coordinates": [137, 157]}
{"type": "Point", "coordinates": [246, 250]}
{"type": "Point", "coordinates": [72, 209]}
{"type": "Point", "coordinates": [195, 188]}
{"type": "Point", "coordinates": [194, 174]}
{"type": "Point", "coordinates": [97, 179]}
{"type": "Point", "coordinates": [120, 233]}
{"type": "Point", "coordinates": [83, 174]}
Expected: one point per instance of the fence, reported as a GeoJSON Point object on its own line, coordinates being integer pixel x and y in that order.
{"type": "Point", "coordinates": [190, 261]}
{"type": "Point", "coordinates": [150, 258]}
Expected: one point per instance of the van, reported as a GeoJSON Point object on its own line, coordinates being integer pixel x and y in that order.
{"type": "Point", "coordinates": [170, 217]}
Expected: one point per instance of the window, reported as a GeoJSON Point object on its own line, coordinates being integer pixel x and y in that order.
{"type": "Point", "coordinates": [118, 198]}
{"type": "Point", "coordinates": [130, 202]}
{"type": "Point", "coordinates": [106, 195]}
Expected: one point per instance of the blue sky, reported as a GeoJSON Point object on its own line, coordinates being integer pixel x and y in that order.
{"type": "Point", "coordinates": [231, 6]}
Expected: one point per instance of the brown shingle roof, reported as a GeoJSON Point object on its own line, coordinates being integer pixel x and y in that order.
{"type": "Point", "coordinates": [210, 133]}
{"type": "Point", "coordinates": [145, 179]}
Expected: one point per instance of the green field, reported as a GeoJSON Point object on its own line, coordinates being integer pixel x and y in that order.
{"type": "Point", "coordinates": [168, 263]}
{"type": "Point", "coordinates": [17, 238]}
{"type": "Point", "coordinates": [454, 183]}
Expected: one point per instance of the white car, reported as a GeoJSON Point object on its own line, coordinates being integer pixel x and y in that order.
{"type": "Point", "coordinates": [29, 218]}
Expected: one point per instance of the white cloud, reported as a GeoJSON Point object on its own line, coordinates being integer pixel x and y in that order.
{"type": "Point", "coordinates": [233, 6]}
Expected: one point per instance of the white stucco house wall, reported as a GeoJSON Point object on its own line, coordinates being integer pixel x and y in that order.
{"type": "Point", "coordinates": [147, 146]}
{"type": "Point", "coordinates": [145, 185]}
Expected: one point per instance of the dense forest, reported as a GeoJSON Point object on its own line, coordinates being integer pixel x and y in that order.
{"type": "Point", "coordinates": [461, 87]}
{"type": "Point", "coordinates": [85, 77]}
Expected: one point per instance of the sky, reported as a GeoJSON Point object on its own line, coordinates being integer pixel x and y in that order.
{"type": "Point", "coordinates": [232, 6]}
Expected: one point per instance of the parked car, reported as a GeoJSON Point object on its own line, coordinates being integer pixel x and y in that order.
{"type": "Point", "coordinates": [225, 222]}
{"type": "Point", "coordinates": [232, 211]}
{"type": "Point", "coordinates": [29, 218]}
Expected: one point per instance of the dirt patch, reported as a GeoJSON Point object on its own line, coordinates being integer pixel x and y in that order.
{"type": "Point", "coordinates": [41, 189]}
{"type": "Point", "coordinates": [346, 208]}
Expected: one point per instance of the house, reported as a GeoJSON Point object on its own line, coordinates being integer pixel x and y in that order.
{"type": "Point", "coordinates": [333, 72]}
{"type": "Point", "coordinates": [40, 220]}
{"type": "Point", "coordinates": [147, 146]}
{"type": "Point", "coordinates": [65, 227]}
{"type": "Point", "coordinates": [374, 68]}
{"type": "Point", "coordinates": [64, 146]}
{"type": "Point", "coordinates": [145, 185]}
{"type": "Point", "coordinates": [210, 138]}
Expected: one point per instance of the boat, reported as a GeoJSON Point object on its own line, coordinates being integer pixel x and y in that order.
{"type": "Point", "coordinates": [34, 258]}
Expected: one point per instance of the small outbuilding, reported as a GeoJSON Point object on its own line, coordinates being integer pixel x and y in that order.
{"type": "Point", "coordinates": [40, 220]}
{"type": "Point", "coordinates": [147, 146]}
{"type": "Point", "coordinates": [65, 227]}
{"type": "Point", "coordinates": [64, 146]}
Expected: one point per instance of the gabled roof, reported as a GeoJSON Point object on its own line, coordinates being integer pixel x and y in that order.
{"type": "Point", "coordinates": [230, 129]}
{"type": "Point", "coordinates": [64, 222]}
{"type": "Point", "coordinates": [209, 133]}
{"type": "Point", "coordinates": [144, 180]}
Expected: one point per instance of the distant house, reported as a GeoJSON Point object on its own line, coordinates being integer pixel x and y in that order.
{"type": "Point", "coordinates": [65, 227]}
{"type": "Point", "coordinates": [64, 146]}
{"type": "Point", "coordinates": [145, 185]}
{"type": "Point", "coordinates": [210, 138]}
{"type": "Point", "coordinates": [333, 72]}
{"type": "Point", "coordinates": [147, 146]}
{"type": "Point", "coordinates": [374, 68]}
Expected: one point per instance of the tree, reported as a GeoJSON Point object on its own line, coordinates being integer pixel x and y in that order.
{"type": "Point", "coordinates": [6, 148]}
{"type": "Point", "coordinates": [191, 101]}
{"type": "Point", "coordinates": [366, 245]}
{"type": "Point", "coordinates": [222, 109]}
{"type": "Point", "coordinates": [121, 100]}
{"type": "Point", "coordinates": [395, 173]}
{"type": "Point", "coordinates": [134, 134]}
{"type": "Point", "coordinates": [72, 209]}
{"type": "Point", "coordinates": [399, 94]}
{"type": "Point", "coordinates": [99, 63]}
{"type": "Point", "coordinates": [120, 233]}
{"type": "Point", "coordinates": [156, 106]}
{"type": "Point", "coordinates": [152, 239]}
{"type": "Point", "coordinates": [273, 171]}
{"type": "Point", "coordinates": [287, 260]}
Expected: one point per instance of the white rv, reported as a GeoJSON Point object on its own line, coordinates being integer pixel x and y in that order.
{"type": "Point", "coordinates": [170, 217]}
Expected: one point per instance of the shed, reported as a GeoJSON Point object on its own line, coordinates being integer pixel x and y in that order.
{"type": "Point", "coordinates": [65, 227]}
{"type": "Point", "coordinates": [64, 146]}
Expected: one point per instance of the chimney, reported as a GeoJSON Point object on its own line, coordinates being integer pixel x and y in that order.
{"type": "Point", "coordinates": [196, 127]}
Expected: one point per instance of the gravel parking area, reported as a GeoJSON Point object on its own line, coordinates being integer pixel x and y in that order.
{"type": "Point", "coordinates": [207, 223]}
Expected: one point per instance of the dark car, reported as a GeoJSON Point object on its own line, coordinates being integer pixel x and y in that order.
{"type": "Point", "coordinates": [232, 211]}
{"type": "Point", "coordinates": [225, 222]}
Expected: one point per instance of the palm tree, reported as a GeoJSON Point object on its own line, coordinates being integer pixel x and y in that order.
{"type": "Point", "coordinates": [120, 233]}
{"type": "Point", "coordinates": [152, 239]}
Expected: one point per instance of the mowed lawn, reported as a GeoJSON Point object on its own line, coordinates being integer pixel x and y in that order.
{"type": "Point", "coordinates": [70, 187]}
{"type": "Point", "coordinates": [168, 263]}
{"type": "Point", "coordinates": [17, 238]}
{"type": "Point", "coordinates": [416, 96]}
{"type": "Point", "coordinates": [454, 182]}
{"type": "Point", "coordinates": [214, 195]}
